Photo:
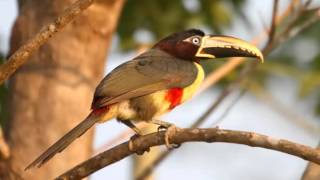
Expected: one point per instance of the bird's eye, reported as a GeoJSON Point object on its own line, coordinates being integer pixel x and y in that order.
{"type": "Point", "coordinates": [195, 40]}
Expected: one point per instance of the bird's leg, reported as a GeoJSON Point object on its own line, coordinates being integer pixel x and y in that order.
{"type": "Point", "coordinates": [131, 126]}
{"type": "Point", "coordinates": [170, 128]}
{"type": "Point", "coordinates": [137, 134]}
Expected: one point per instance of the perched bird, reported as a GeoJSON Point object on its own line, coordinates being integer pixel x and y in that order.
{"type": "Point", "coordinates": [154, 82]}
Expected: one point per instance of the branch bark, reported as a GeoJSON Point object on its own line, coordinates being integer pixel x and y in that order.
{"type": "Point", "coordinates": [19, 57]}
{"type": "Point", "coordinates": [312, 172]}
{"type": "Point", "coordinates": [191, 135]}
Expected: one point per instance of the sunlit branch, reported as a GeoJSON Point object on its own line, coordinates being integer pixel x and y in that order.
{"type": "Point", "coordinates": [19, 57]}
{"type": "Point", "coordinates": [211, 135]}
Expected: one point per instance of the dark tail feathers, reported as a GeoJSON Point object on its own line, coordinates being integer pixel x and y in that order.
{"type": "Point", "coordinates": [64, 142]}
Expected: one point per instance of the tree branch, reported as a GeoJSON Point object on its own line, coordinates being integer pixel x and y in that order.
{"type": "Point", "coordinates": [19, 57]}
{"type": "Point", "coordinates": [273, 24]}
{"type": "Point", "coordinates": [210, 135]}
{"type": "Point", "coordinates": [233, 63]}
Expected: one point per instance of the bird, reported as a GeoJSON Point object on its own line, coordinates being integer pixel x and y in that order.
{"type": "Point", "coordinates": [153, 83]}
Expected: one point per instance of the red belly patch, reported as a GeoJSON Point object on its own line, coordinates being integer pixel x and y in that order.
{"type": "Point", "coordinates": [174, 96]}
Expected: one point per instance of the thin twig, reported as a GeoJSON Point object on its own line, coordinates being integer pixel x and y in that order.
{"type": "Point", "coordinates": [233, 63]}
{"type": "Point", "coordinates": [289, 33]}
{"type": "Point", "coordinates": [228, 109]}
{"type": "Point", "coordinates": [19, 57]}
{"type": "Point", "coordinates": [273, 26]}
{"type": "Point", "coordinates": [291, 30]}
{"type": "Point", "coordinates": [190, 135]}
{"type": "Point", "coordinates": [290, 114]}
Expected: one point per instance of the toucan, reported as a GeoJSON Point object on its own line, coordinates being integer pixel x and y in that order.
{"type": "Point", "coordinates": [154, 82]}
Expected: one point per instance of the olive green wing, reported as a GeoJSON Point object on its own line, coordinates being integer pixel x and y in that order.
{"type": "Point", "coordinates": [152, 71]}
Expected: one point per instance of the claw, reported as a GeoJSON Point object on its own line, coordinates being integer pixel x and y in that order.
{"type": "Point", "coordinates": [131, 148]}
{"type": "Point", "coordinates": [162, 128]}
{"type": "Point", "coordinates": [170, 132]}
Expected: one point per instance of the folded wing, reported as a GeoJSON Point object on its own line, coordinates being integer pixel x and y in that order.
{"type": "Point", "coordinates": [152, 71]}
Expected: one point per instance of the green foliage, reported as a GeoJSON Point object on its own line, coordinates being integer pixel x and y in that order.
{"type": "Point", "coordinates": [161, 18]}
{"type": "Point", "coordinates": [317, 109]}
{"type": "Point", "coordinates": [310, 82]}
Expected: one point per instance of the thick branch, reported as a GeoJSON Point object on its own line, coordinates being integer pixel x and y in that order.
{"type": "Point", "coordinates": [191, 135]}
{"type": "Point", "coordinates": [19, 57]}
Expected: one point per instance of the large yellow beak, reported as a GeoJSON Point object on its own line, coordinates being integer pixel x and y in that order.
{"type": "Point", "coordinates": [226, 46]}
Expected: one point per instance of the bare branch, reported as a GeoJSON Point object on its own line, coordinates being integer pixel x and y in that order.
{"type": "Point", "coordinates": [293, 116]}
{"type": "Point", "coordinates": [228, 109]}
{"type": "Point", "coordinates": [233, 63]}
{"type": "Point", "coordinates": [19, 57]}
{"type": "Point", "coordinates": [273, 24]}
{"type": "Point", "coordinates": [191, 135]}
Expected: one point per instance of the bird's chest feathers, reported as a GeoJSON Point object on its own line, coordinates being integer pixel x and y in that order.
{"type": "Point", "coordinates": [169, 99]}
{"type": "Point", "coordinates": [176, 96]}
{"type": "Point", "coordinates": [189, 91]}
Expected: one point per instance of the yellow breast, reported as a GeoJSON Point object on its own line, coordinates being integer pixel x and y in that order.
{"type": "Point", "coordinates": [189, 91]}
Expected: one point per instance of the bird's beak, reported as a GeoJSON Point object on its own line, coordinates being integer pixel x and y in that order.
{"type": "Point", "coordinates": [226, 46]}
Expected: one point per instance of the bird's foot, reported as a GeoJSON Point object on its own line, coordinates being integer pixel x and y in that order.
{"type": "Point", "coordinates": [171, 131]}
{"type": "Point", "coordinates": [163, 125]}
{"type": "Point", "coordinates": [132, 148]}
{"type": "Point", "coordinates": [162, 128]}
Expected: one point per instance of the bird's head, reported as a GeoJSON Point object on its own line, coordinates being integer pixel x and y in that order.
{"type": "Point", "coordinates": [194, 45]}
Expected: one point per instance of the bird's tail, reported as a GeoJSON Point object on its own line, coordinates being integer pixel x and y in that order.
{"type": "Point", "coordinates": [65, 141]}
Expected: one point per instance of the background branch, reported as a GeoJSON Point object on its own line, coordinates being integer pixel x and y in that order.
{"type": "Point", "coordinates": [19, 57]}
{"type": "Point", "coordinates": [190, 135]}
{"type": "Point", "coordinates": [279, 107]}
{"type": "Point", "coordinates": [233, 63]}
{"type": "Point", "coordinates": [273, 25]}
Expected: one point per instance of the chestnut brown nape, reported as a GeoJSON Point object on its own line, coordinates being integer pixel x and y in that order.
{"type": "Point", "coordinates": [175, 46]}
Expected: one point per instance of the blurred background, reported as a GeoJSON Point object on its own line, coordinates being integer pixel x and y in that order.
{"type": "Point", "coordinates": [279, 98]}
